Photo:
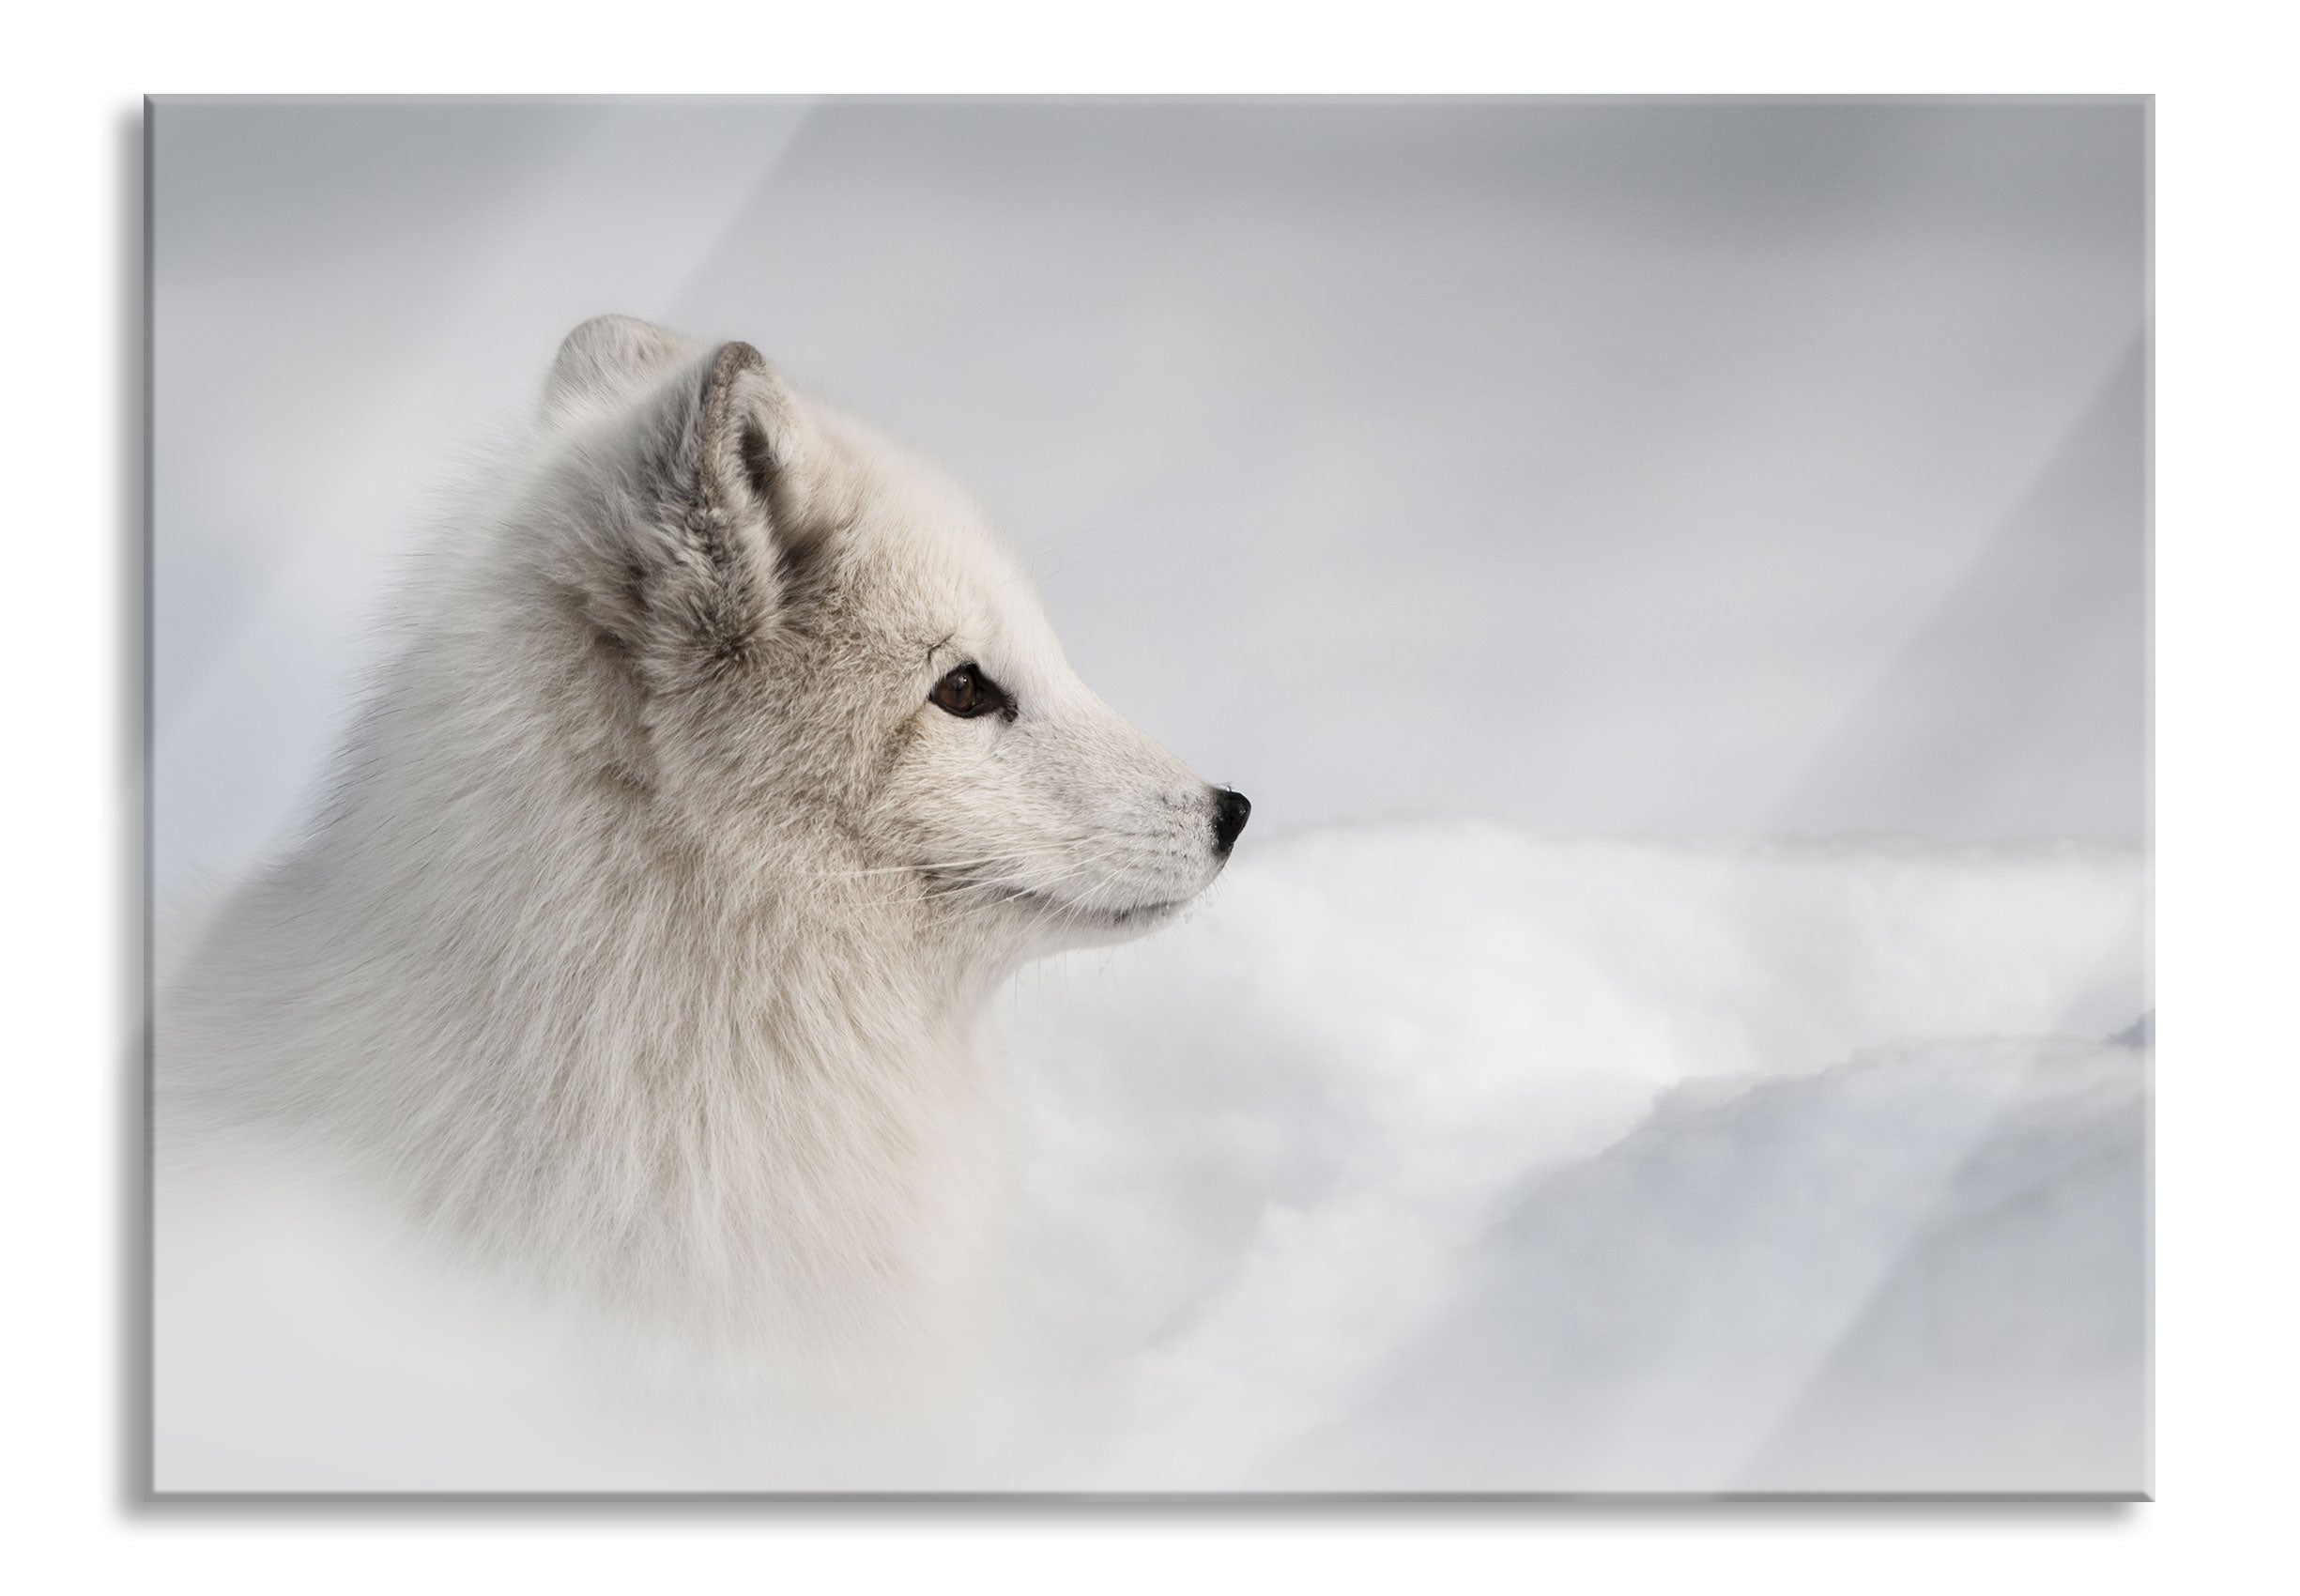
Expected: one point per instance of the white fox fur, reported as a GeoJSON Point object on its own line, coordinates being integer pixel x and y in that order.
{"type": "Point", "coordinates": [638, 950]}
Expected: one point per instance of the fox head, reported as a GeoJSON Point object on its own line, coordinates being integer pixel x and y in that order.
{"type": "Point", "coordinates": [788, 639]}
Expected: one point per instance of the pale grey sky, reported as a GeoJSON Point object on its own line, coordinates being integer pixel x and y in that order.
{"type": "Point", "coordinates": [1646, 466]}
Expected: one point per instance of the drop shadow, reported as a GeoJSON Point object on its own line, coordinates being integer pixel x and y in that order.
{"type": "Point", "coordinates": [132, 445]}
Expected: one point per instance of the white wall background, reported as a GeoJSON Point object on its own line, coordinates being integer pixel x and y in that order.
{"type": "Point", "coordinates": [2227, 792]}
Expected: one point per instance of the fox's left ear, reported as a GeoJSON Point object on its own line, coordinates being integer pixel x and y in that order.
{"type": "Point", "coordinates": [610, 359]}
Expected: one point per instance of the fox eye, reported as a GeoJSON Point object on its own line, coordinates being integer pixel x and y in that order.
{"type": "Point", "coordinates": [966, 693]}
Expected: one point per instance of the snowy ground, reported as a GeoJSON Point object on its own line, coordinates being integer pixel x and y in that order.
{"type": "Point", "coordinates": [1442, 1156]}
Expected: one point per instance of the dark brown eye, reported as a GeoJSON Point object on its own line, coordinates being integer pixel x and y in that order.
{"type": "Point", "coordinates": [966, 692]}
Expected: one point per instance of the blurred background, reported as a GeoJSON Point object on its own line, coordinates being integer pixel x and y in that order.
{"type": "Point", "coordinates": [1672, 575]}
{"type": "Point", "coordinates": [1654, 466]}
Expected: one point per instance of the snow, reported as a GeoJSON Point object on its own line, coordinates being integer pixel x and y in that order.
{"type": "Point", "coordinates": [1443, 1157]}
{"type": "Point", "coordinates": [1424, 1156]}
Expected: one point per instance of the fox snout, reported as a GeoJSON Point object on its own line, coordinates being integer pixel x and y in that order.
{"type": "Point", "coordinates": [1230, 812]}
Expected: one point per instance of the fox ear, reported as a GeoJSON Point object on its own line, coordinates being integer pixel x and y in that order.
{"type": "Point", "coordinates": [764, 474]}
{"type": "Point", "coordinates": [610, 359]}
{"type": "Point", "coordinates": [692, 503]}
{"type": "Point", "coordinates": [742, 540]}
{"type": "Point", "coordinates": [721, 516]}
{"type": "Point", "coordinates": [749, 438]}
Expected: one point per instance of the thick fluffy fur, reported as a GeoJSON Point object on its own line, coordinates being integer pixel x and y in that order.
{"type": "Point", "coordinates": [640, 947]}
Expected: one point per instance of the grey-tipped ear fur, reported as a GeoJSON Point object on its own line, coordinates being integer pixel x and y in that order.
{"type": "Point", "coordinates": [747, 427]}
{"type": "Point", "coordinates": [714, 464]}
{"type": "Point", "coordinates": [762, 458]}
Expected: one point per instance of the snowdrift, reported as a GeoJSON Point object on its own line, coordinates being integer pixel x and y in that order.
{"type": "Point", "coordinates": [1447, 1157]}
{"type": "Point", "coordinates": [1422, 1157]}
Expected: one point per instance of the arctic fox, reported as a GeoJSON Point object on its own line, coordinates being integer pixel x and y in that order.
{"type": "Point", "coordinates": [726, 769]}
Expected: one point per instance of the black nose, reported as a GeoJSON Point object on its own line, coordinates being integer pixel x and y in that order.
{"type": "Point", "coordinates": [1230, 812]}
